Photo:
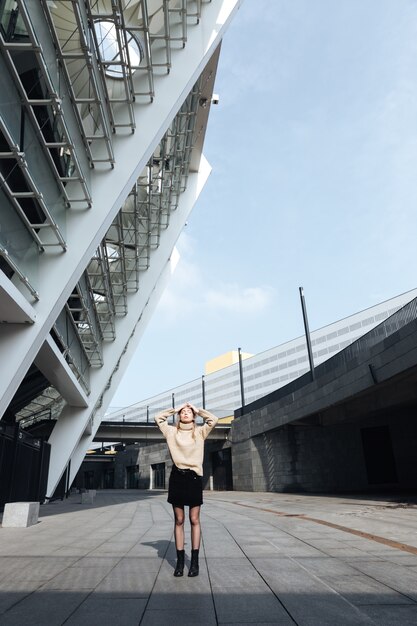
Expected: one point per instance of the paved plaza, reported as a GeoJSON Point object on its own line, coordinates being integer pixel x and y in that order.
{"type": "Point", "coordinates": [266, 558]}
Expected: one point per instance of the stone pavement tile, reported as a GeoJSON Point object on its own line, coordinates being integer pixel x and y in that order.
{"type": "Point", "coordinates": [301, 550]}
{"type": "Point", "coordinates": [347, 553]}
{"type": "Point", "coordinates": [325, 543]}
{"type": "Point", "coordinates": [148, 548]}
{"type": "Point", "coordinates": [307, 599]}
{"type": "Point", "coordinates": [9, 564]}
{"type": "Point", "coordinates": [392, 615]}
{"type": "Point", "coordinates": [39, 569]}
{"type": "Point", "coordinates": [94, 561]}
{"type": "Point", "coordinates": [402, 558]}
{"type": "Point", "coordinates": [40, 608]}
{"type": "Point", "coordinates": [110, 550]}
{"type": "Point", "coordinates": [184, 617]}
{"type": "Point", "coordinates": [27, 550]}
{"type": "Point", "coordinates": [360, 543]}
{"type": "Point", "coordinates": [237, 573]}
{"type": "Point", "coordinates": [77, 578]}
{"type": "Point", "coordinates": [386, 553]}
{"type": "Point", "coordinates": [108, 612]}
{"type": "Point", "coordinates": [182, 591]}
{"type": "Point", "coordinates": [183, 597]}
{"type": "Point", "coordinates": [11, 593]}
{"type": "Point", "coordinates": [402, 579]}
{"type": "Point", "coordinates": [88, 541]}
{"type": "Point", "coordinates": [123, 539]}
{"type": "Point", "coordinates": [101, 534]}
{"type": "Point", "coordinates": [139, 564]}
{"type": "Point", "coordinates": [265, 548]}
{"type": "Point", "coordinates": [281, 543]}
{"type": "Point", "coordinates": [326, 567]}
{"type": "Point", "coordinates": [362, 590]}
{"type": "Point", "coordinates": [72, 551]}
{"type": "Point", "coordinates": [250, 606]}
{"type": "Point", "coordinates": [127, 584]}
{"type": "Point", "coordinates": [227, 549]}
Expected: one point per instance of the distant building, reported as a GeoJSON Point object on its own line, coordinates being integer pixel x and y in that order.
{"type": "Point", "coordinates": [266, 371]}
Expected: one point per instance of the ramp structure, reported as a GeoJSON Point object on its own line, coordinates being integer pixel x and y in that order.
{"type": "Point", "coordinates": [104, 107]}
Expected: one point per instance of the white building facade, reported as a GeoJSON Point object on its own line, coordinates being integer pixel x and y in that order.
{"type": "Point", "coordinates": [104, 107]}
{"type": "Point", "coordinates": [266, 371]}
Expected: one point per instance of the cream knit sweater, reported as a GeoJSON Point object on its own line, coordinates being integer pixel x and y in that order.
{"type": "Point", "coordinates": [186, 451]}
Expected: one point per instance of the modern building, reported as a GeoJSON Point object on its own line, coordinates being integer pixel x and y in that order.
{"type": "Point", "coordinates": [220, 388]}
{"type": "Point", "coordinates": [351, 427]}
{"type": "Point", "coordinates": [103, 113]}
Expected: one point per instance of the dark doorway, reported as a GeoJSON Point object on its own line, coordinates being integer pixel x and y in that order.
{"type": "Point", "coordinates": [158, 471]}
{"type": "Point", "coordinates": [222, 470]}
{"type": "Point", "coordinates": [132, 474]}
{"type": "Point", "coordinates": [108, 478]}
{"type": "Point", "coordinates": [89, 479]}
{"type": "Point", "coordinates": [379, 456]}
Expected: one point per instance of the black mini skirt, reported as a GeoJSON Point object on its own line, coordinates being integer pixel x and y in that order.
{"type": "Point", "coordinates": [185, 488]}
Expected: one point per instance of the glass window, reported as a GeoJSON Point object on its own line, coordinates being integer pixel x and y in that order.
{"type": "Point", "coordinates": [129, 52]}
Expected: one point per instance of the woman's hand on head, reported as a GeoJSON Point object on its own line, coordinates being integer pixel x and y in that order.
{"type": "Point", "coordinates": [192, 407]}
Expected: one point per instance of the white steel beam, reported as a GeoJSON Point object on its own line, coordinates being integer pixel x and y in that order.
{"type": "Point", "coordinates": [14, 308]}
{"type": "Point", "coordinates": [59, 271]}
{"type": "Point", "coordinates": [54, 367]}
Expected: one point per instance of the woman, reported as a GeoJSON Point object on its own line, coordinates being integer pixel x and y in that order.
{"type": "Point", "coordinates": [186, 445]}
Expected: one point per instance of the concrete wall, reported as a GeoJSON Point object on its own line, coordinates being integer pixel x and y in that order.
{"type": "Point", "coordinates": [143, 455]}
{"type": "Point", "coordinates": [308, 436]}
{"type": "Point", "coordinates": [323, 458]}
{"type": "Point", "coordinates": [147, 454]}
{"type": "Point", "coordinates": [96, 471]}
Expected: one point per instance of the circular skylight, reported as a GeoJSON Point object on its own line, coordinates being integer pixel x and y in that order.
{"type": "Point", "coordinates": [110, 53]}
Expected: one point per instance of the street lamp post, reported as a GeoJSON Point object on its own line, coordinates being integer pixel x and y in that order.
{"type": "Point", "coordinates": [242, 390]}
{"type": "Point", "coordinates": [307, 333]}
{"type": "Point", "coordinates": [203, 391]}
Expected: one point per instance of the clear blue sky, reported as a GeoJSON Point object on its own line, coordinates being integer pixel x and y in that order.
{"type": "Point", "coordinates": [314, 153]}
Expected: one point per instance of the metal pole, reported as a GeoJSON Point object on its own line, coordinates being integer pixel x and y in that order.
{"type": "Point", "coordinates": [203, 391]}
{"type": "Point", "coordinates": [67, 487]}
{"type": "Point", "coordinates": [242, 391]}
{"type": "Point", "coordinates": [64, 483]}
{"type": "Point", "coordinates": [147, 414]}
{"type": "Point", "coordinates": [16, 444]}
{"type": "Point", "coordinates": [307, 333]}
{"type": "Point", "coordinates": [173, 406]}
{"type": "Point", "coordinates": [41, 458]}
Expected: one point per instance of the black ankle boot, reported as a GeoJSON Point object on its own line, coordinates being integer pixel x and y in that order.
{"type": "Point", "coordinates": [193, 571]}
{"type": "Point", "coordinates": [179, 569]}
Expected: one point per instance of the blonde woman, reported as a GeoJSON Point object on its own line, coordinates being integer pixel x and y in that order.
{"type": "Point", "coordinates": [186, 445]}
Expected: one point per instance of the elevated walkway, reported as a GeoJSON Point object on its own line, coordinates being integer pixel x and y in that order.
{"type": "Point", "coordinates": [144, 431]}
{"type": "Point", "coordinates": [123, 431]}
{"type": "Point", "coordinates": [266, 558]}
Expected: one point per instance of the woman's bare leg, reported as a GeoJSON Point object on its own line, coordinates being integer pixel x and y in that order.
{"type": "Point", "coordinates": [195, 527]}
{"type": "Point", "coordinates": [179, 527]}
